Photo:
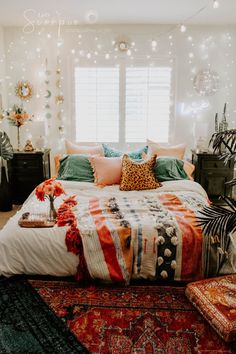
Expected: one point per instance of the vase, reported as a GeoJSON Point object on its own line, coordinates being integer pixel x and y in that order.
{"type": "Point", "coordinates": [52, 211]}
{"type": "Point", "coordinates": [18, 138]}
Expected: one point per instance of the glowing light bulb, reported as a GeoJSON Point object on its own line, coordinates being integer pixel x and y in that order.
{"type": "Point", "coordinates": [216, 4]}
{"type": "Point", "coordinates": [107, 56]}
{"type": "Point", "coordinates": [154, 43]}
{"type": "Point", "coordinates": [183, 28]}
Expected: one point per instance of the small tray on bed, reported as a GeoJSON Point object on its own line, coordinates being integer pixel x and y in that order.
{"type": "Point", "coordinates": [35, 220]}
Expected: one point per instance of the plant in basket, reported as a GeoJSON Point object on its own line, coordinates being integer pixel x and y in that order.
{"type": "Point", "coordinates": [50, 189]}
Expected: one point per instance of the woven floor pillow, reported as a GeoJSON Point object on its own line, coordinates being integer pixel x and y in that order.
{"type": "Point", "coordinates": [215, 298]}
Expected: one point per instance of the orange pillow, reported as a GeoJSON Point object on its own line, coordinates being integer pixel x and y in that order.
{"type": "Point", "coordinates": [72, 148]}
{"type": "Point", "coordinates": [107, 170]}
{"type": "Point", "coordinates": [177, 151]}
{"type": "Point", "coordinates": [189, 169]}
{"type": "Point", "coordinates": [56, 164]}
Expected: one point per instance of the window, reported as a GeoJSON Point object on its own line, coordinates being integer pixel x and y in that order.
{"type": "Point", "coordinates": [97, 104]}
{"type": "Point", "coordinates": [123, 104]}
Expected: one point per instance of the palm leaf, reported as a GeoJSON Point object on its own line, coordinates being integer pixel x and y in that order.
{"type": "Point", "coordinates": [231, 183]}
{"type": "Point", "coordinates": [217, 220]}
{"type": "Point", "coordinates": [6, 149]}
{"type": "Point", "coordinates": [225, 139]}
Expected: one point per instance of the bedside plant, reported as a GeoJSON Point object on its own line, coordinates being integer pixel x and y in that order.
{"type": "Point", "coordinates": [220, 222]}
{"type": "Point", "coordinates": [6, 153]}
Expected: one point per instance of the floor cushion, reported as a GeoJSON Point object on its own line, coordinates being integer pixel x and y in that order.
{"type": "Point", "coordinates": [215, 298]}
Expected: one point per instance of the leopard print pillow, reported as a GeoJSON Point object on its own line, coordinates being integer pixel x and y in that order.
{"type": "Point", "coordinates": [138, 175]}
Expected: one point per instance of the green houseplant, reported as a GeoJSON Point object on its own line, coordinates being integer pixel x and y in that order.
{"type": "Point", "coordinates": [218, 222]}
{"type": "Point", "coordinates": [6, 153]}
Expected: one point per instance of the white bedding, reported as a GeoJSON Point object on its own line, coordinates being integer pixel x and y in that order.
{"type": "Point", "coordinates": [43, 251]}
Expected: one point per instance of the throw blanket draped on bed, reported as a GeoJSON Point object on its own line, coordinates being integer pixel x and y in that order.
{"type": "Point", "coordinates": [149, 237]}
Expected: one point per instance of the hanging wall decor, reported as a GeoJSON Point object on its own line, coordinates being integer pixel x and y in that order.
{"type": "Point", "coordinates": [24, 90]}
{"type": "Point", "coordinates": [59, 98]}
{"type": "Point", "coordinates": [206, 82]}
{"type": "Point", "coordinates": [48, 93]}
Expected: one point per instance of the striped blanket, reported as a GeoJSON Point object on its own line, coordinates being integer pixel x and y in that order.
{"type": "Point", "coordinates": [152, 236]}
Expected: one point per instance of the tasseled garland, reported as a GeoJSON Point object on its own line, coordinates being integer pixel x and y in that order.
{"type": "Point", "coordinates": [65, 216]}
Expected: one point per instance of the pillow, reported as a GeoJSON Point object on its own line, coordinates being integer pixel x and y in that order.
{"type": "Point", "coordinates": [75, 168]}
{"type": "Point", "coordinates": [189, 169]}
{"type": "Point", "coordinates": [177, 151]}
{"type": "Point", "coordinates": [107, 171]}
{"type": "Point", "coordinates": [83, 150]}
{"type": "Point", "coordinates": [111, 152]}
{"type": "Point", "coordinates": [57, 164]}
{"type": "Point", "coordinates": [138, 175]}
{"type": "Point", "coordinates": [169, 169]}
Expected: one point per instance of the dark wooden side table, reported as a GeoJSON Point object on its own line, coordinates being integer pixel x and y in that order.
{"type": "Point", "coordinates": [212, 174]}
{"type": "Point", "coordinates": [26, 171]}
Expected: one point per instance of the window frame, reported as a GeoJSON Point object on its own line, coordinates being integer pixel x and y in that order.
{"type": "Point", "coordinates": [123, 62]}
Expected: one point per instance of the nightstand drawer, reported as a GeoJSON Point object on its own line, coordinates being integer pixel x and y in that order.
{"type": "Point", "coordinates": [20, 163]}
{"type": "Point", "coordinates": [213, 164]}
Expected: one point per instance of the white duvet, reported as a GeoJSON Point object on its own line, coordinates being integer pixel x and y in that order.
{"type": "Point", "coordinates": [43, 251]}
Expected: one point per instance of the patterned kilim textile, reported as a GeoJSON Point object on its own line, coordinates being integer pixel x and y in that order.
{"type": "Point", "coordinates": [134, 319]}
{"type": "Point", "coordinates": [148, 237]}
{"type": "Point", "coordinates": [216, 300]}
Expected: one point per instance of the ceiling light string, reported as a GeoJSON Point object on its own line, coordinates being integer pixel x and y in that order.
{"type": "Point", "coordinates": [216, 4]}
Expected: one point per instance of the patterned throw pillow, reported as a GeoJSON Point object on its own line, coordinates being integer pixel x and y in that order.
{"type": "Point", "coordinates": [138, 175]}
{"type": "Point", "coordinates": [111, 152]}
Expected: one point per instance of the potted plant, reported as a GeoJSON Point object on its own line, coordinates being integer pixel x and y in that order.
{"type": "Point", "coordinates": [219, 223]}
{"type": "Point", "coordinates": [6, 153]}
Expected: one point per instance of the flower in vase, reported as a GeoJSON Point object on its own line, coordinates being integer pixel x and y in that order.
{"type": "Point", "coordinates": [17, 116]}
{"type": "Point", "coordinates": [50, 189]}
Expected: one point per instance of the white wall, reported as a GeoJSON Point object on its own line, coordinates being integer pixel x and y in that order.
{"type": "Point", "coordinates": [211, 47]}
{"type": "Point", "coordinates": [3, 98]}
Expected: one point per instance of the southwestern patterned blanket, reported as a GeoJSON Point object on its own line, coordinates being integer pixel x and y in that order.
{"type": "Point", "coordinates": [151, 237]}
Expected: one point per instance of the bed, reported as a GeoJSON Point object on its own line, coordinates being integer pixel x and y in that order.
{"type": "Point", "coordinates": [152, 234]}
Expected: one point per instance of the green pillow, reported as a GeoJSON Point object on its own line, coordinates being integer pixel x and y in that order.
{"type": "Point", "coordinates": [75, 168]}
{"type": "Point", "coordinates": [111, 152]}
{"type": "Point", "coordinates": [169, 169]}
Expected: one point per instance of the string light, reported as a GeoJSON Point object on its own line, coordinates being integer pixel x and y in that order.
{"type": "Point", "coordinates": [216, 4]}
{"type": "Point", "coordinates": [183, 28]}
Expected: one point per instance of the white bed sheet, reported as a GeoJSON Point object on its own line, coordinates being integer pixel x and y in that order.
{"type": "Point", "coordinates": [43, 251]}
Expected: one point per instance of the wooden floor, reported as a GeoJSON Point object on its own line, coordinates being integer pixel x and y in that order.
{"type": "Point", "coordinates": [5, 216]}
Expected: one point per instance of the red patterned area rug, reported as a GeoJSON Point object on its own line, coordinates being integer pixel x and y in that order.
{"type": "Point", "coordinates": [132, 320]}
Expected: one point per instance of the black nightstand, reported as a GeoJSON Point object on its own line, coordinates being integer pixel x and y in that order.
{"type": "Point", "coordinates": [26, 171]}
{"type": "Point", "coordinates": [212, 174]}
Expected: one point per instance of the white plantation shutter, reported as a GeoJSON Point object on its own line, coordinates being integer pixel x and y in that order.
{"type": "Point", "coordinates": [123, 104]}
{"type": "Point", "coordinates": [97, 104]}
{"type": "Point", "coordinates": [148, 92]}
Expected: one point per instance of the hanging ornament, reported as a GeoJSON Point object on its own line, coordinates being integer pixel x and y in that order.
{"type": "Point", "coordinates": [48, 93]}
{"type": "Point", "coordinates": [59, 98]}
{"type": "Point", "coordinates": [206, 82]}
